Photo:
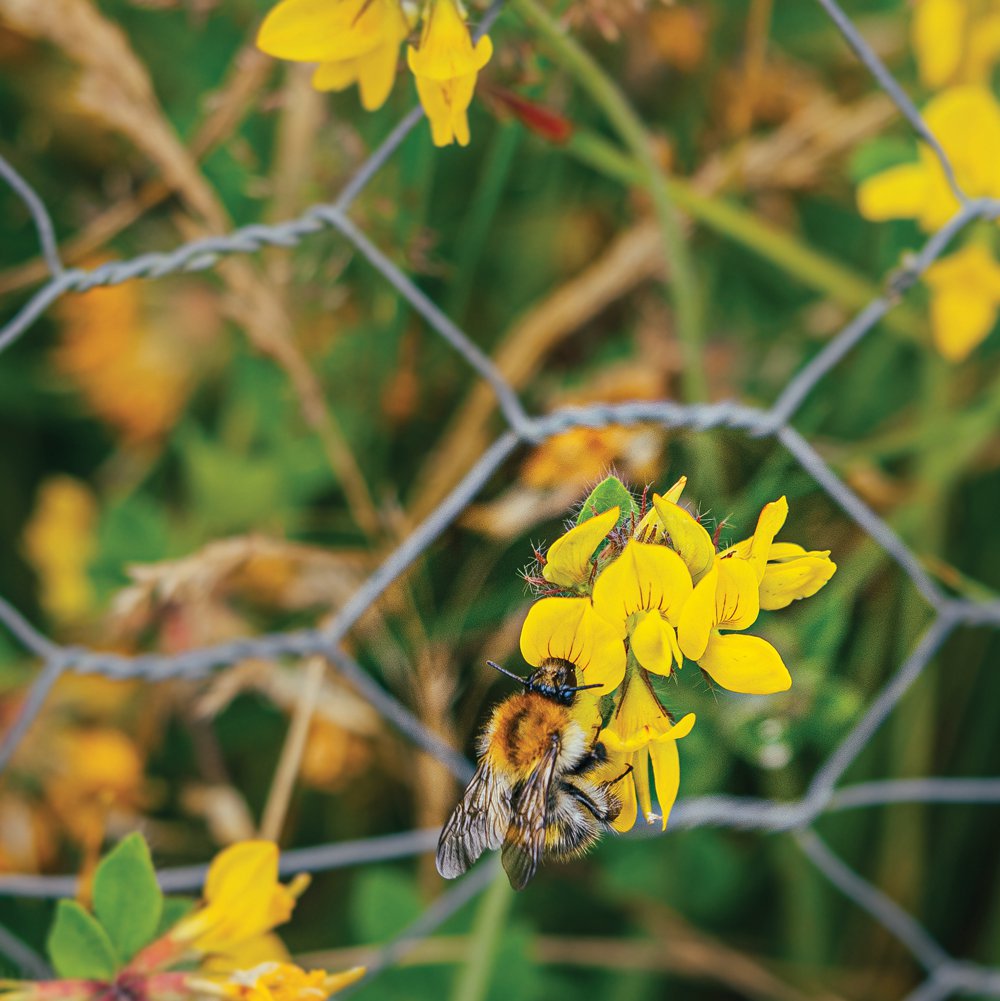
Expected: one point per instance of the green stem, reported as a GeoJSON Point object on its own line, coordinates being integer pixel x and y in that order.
{"type": "Point", "coordinates": [473, 980]}
{"type": "Point", "coordinates": [605, 92]}
{"type": "Point", "coordinates": [815, 270]}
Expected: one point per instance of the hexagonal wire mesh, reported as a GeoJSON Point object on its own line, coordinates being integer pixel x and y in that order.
{"type": "Point", "coordinates": [945, 975]}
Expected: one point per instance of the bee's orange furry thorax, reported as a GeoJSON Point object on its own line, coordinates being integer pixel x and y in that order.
{"type": "Point", "coordinates": [523, 727]}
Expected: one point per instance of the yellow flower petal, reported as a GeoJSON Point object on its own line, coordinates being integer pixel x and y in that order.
{"type": "Point", "coordinates": [798, 577]}
{"type": "Point", "coordinates": [643, 577]}
{"type": "Point", "coordinates": [737, 598]}
{"type": "Point", "coordinates": [673, 495]}
{"type": "Point", "coordinates": [326, 30]}
{"type": "Point", "coordinates": [625, 791]}
{"type": "Point", "coordinates": [960, 322]}
{"type": "Point", "coordinates": [965, 297]}
{"type": "Point", "coordinates": [897, 193]}
{"type": "Point", "coordinates": [336, 76]}
{"type": "Point", "coordinates": [640, 778]}
{"type": "Point", "coordinates": [568, 561]}
{"type": "Point", "coordinates": [667, 766]}
{"type": "Point", "coordinates": [687, 537]}
{"type": "Point", "coordinates": [570, 629]}
{"type": "Point", "coordinates": [746, 664]}
{"type": "Point", "coordinates": [698, 615]}
{"type": "Point", "coordinates": [772, 517]}
{"type": "Point", "coordinates": [938, 31]}
{"type": "Point", "coordinates": [446, 50]}
{"type": "Point", "coordinates": [654, 643]}
{"type": "Point", "coordinates": [983, 50]}
{"type": "Point", "coordinates": [243, 875]}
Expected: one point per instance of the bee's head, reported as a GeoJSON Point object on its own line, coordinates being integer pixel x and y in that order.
{"type": "Point", "coordinates": [555, 679]}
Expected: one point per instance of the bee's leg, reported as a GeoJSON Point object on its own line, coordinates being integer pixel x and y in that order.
{"type": "Point", "coordinates": [615, 781]}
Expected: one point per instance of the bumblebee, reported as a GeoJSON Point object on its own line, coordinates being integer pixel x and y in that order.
{"type": "Point", "coordinates": [536, 792]}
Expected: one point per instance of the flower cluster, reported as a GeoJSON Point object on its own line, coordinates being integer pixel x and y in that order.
{"type": "Point", "coordinates": [135, 944]}
{"type": "Point", "coordinates": [957, 44]}
{"type": "Point", "coordinates": [357, 41]}
{"type": "Point", "coordinates": [629, 593]}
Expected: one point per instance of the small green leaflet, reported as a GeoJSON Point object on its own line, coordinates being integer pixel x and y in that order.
{"type": "Point", "coordinates": [127, 898]}
{"type": "Point", "coordinates": [609, 493]}
{"type": "Point", "coordinates": [79, 947]}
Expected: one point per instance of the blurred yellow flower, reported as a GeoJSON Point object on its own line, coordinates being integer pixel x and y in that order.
{"type": "Point", "coordinates": [95, 771]}
{"type": "Point", "coordinates": [242, 899]}
{"type": "Point", "coordinates": [354, 41]}
{"type": "Point", "coordinates": [133, 377]}
{"type": "Point", "coordinates": [287, 982]}
{"type": "Point", "coordinates": [640, 734]}
{"type": "Point", "coordinates": [59, 543]}
{"type": "Point", "coordinates": [645, 589]}
{"type": "Point", "coordinates": [569, 560]}
{"type": "Point", "coordinates": [965, 298]}
{"type": "Point", "coordinates": [445, 66]}
{"type": "Point", "coordinates": [966, 121]}
{"type": "Point", "coordinates": [578, 456]}
{"type": "Point", "coordinates": [569, 629]}
{"type": "Point", "coordinates": [956, 41]}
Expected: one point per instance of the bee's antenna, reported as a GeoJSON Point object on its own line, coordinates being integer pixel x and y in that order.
{"type": "Point", "coordinates": [582, 688]}
{"type": "Point", "coordinates": [510, 674]}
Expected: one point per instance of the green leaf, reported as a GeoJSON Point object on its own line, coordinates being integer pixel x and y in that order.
{"type": "Point", "coordinates": [127, 898]}
{"type": "Point", "coordinates": [79, 947]}
{"type": "Point", "coordinates": [174, 908]}
{"type": "Point", "coordinates": [609, 493]}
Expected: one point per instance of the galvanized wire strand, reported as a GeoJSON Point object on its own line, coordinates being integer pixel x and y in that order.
{"type": "Point", "coordinates": [888, 913]}
{"type": "Point", "coordinates": [930, 790]}
{"type": "Point", "coordinates": [187, 878]}
{"type": "Point", "coordinates": [888, 83]}
{"type": "Point", "coordinates": [23, 956]}
{"type": "Point", "coordinates": [857, 740]}
{"type": "Point", "coordinates": [47, 241]}
{"type": "Point", "coordinates": [448, 904]}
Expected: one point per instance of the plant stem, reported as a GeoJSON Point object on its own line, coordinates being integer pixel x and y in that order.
{"type": "Point", "coordinates": [473, 979]}
{"type": "Point", "coordinates": [784, 250]}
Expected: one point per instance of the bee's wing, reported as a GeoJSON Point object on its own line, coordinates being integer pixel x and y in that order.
{"type": "Point", "coordinates": [479, 822]}
{"type": "Point", "coordinates": [525, 841]}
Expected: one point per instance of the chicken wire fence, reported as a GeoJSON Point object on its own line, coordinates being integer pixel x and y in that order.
{"type": "Point", "coordinates": [946, 975]}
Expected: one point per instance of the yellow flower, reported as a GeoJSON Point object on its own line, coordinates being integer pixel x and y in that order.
{"type": "Point", "coordinates": [354, 41]}
{"type": "Point", "coordinates": [965, 296]}
{"type": "Point", "coordinates": [59, 541]}
{"type": "Point", "coordinates": [569, 629]}
{"type": "Point", "coordinates": [569, 561]}
{"type": "Point", "coordinates": [966, 121]}
{"type": "Point", "coordinates": [287, 982]}
{"type": "Point", "coordinates": [132, 373]}
{"type": "Point", "coordinates": [641, 733]}
{"type": "Point", "coordinates": [242, 899]}
{"type": "Point", "coordinates": [645, 589]}
{"type": "Point", "coordinates": [956, 41]}
{"type": "Point", "coordinates": [445, 67]}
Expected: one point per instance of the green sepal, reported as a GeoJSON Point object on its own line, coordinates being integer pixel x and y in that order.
{"type": "Point", "coordinates": [127, 899]}
{"type": "Point", "coordinates": [79, 947]}
{"type": "Point", "coordinates": [609, 493]}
